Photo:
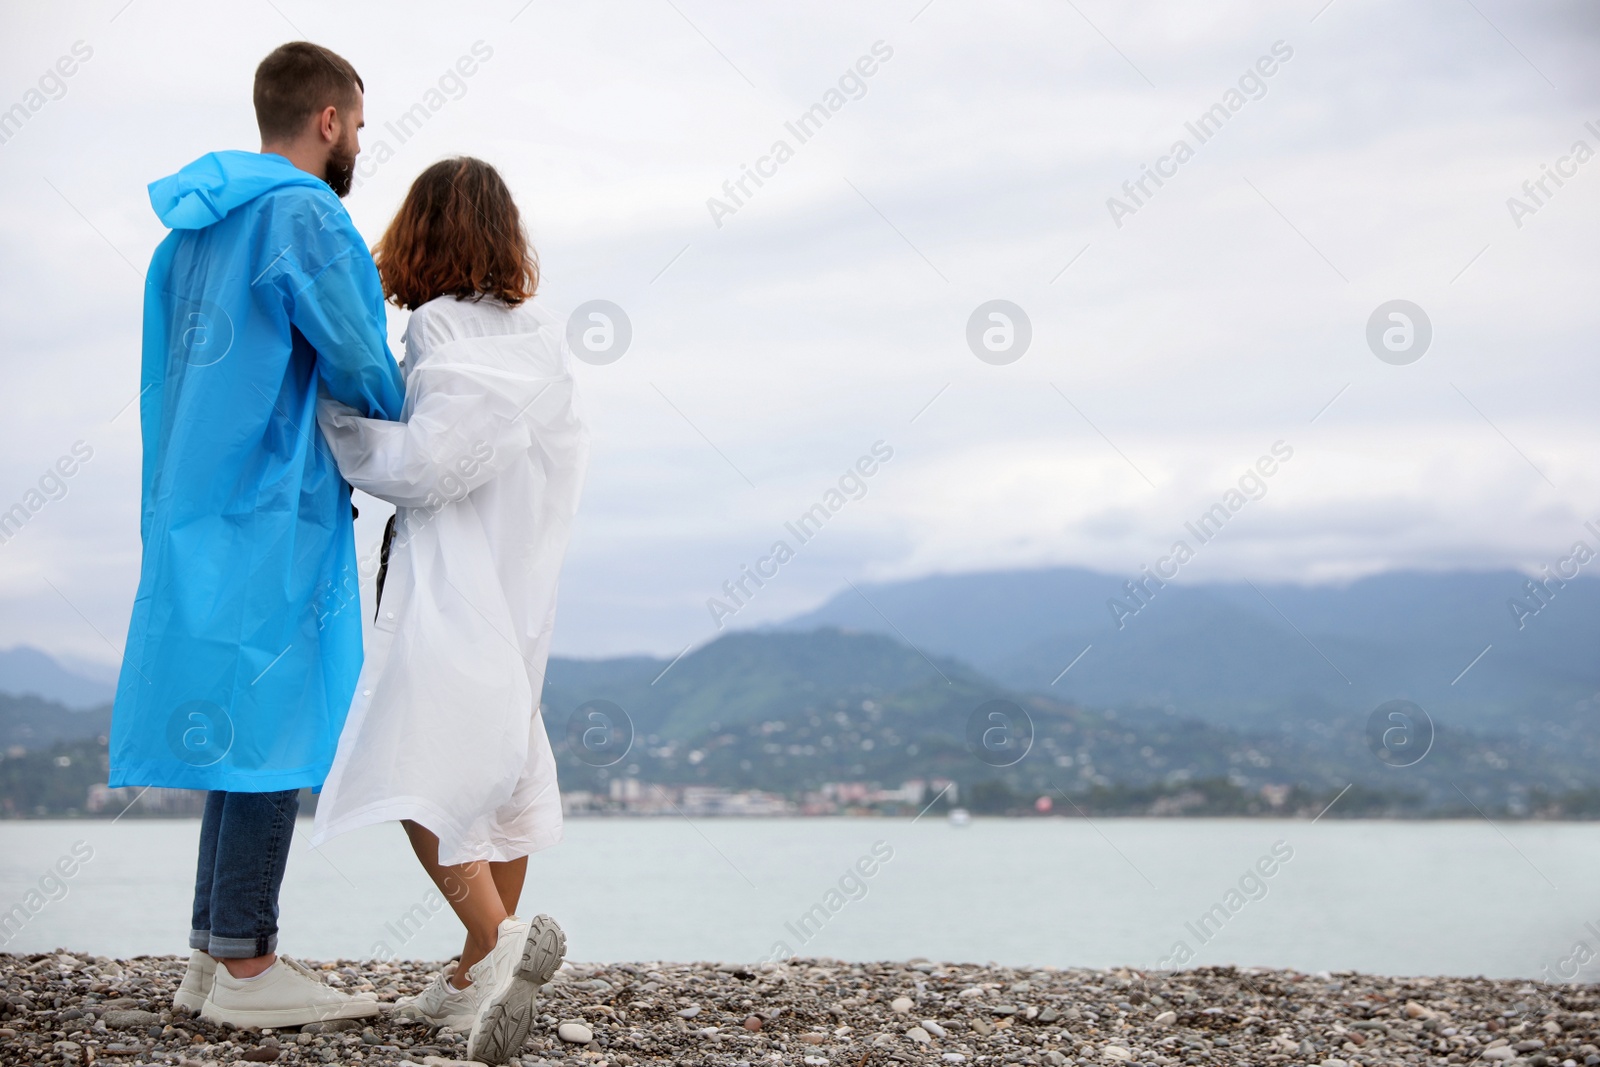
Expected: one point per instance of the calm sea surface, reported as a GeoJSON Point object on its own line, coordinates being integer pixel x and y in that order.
{"type": "Point", "coordinates": [1402, 898]}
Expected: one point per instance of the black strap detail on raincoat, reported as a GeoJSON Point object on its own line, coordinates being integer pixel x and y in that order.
{"type": "Point", "coordinates": [383, 562]}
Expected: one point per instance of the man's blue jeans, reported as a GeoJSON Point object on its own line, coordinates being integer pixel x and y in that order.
{"type": "Point", "coordinates": [244, 847]}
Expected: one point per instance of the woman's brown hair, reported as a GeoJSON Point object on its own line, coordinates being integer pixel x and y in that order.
{"type": "Point", "coordinates": [457, 234]}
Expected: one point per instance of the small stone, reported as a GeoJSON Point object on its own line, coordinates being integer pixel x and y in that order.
{"type": "Point", "coordinates": [690, 1012]}
{"type": "Point", "coordinates": [1049, 1015]}
{"type": "Point", "coordinates": [1116, 1052]}
{"type": "Point", "coordinates": [1504, 1052]}
{"type": "Point", "coordinates": [919, 1035]}
{"type": "Point", "coordinates": [129, 1019]}
{"type": "Point", "coordinates": [901, 1005]}
{"type": "Point", "coordinates": [813, 1039]}
{"type": "Point", "coordinates": [1166, 1018]}
{"type": "Point", "coordinates": [753, 1023]}
{"type": "Point", "coordinates": [933, 1028]}
{"type": "Point", "coordinates": [1415, 1010]}
{"type": "Point", "coordinates": [262, 1054]}
{"type": "Point", "coordinates": [575, 1033]}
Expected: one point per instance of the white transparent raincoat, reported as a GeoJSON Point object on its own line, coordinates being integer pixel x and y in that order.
{"type": "Point", "coordinates": [486, 468]}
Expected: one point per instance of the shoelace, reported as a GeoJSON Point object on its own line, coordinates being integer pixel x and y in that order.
{"type": "Point", "coordinates": [296, 965]}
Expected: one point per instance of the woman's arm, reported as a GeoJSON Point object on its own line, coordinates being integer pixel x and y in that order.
{"type": "Point", "coordinates": [465, 425]}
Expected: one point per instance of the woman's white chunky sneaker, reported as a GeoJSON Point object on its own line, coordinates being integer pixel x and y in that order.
{"type": "Point", "coordinates": [524, 958]}
{"type": "Point", "coordinates": [442, 1004]}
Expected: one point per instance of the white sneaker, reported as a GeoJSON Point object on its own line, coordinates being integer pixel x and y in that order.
{"type": "Point", "coordinates": [197, 979]}
{"type": "Point", "coordinates": [525, 956]}
{"type": "Point", "coordinates": [286, 994]}
{"type": "Point", "coordinates": [442, 1004]}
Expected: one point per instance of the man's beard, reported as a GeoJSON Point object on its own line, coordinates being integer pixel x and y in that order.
{"type": "Point", "coordinates": [340, 172]}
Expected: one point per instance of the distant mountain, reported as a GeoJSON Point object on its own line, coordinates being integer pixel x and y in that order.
{"type": "Point", "coordinates": [747, 677]}
{"type": "Point", "coordinates": [1241, 654]}
{"type": "Point", "coordinates": [25, 670]}
{"type": "Point", "coordinates": [34, 723]}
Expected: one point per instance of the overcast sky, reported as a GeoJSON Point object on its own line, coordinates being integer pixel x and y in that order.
{"type": "Point", "coordinates": [1173, 343]}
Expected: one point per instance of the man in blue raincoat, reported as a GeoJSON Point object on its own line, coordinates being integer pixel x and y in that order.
{"type": "Point", "coordinates": [245, 642]}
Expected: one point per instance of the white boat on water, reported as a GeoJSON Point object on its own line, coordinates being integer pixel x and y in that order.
{"type": "Point", "coordinates": [960, 817]}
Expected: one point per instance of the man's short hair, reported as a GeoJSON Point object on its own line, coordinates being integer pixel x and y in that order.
{"type": "Point", "coordinates": [298, 80]}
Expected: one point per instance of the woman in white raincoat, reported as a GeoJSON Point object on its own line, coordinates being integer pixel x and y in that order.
{"type": "Point", "coordinates": [485, 466]}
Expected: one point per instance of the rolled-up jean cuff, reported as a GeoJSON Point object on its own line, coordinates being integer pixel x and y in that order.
{"type": "Point", "coordinates": [200, 939]}
{"type": "Point", "coordinates": [241, 948]}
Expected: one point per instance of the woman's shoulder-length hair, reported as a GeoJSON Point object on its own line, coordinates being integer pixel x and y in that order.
{"type": "Point", "coordinates": [459, 234]}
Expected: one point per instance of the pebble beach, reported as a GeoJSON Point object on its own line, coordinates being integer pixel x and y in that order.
{"type": "Point", "coordinates": [74, 1009]}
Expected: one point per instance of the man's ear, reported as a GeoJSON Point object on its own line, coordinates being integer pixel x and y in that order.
{"type": "Point", "coordinates": [328, 124]}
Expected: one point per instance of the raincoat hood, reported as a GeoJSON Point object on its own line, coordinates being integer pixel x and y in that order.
{"type": "Point", "coordinates": [213, 185]}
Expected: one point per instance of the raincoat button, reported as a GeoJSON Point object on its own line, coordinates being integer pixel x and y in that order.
{"type": "Point", "coordinates": [388, 614]}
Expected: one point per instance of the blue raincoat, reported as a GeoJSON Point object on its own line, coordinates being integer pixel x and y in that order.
{"type": "Point", "coordinates": [245, 642]}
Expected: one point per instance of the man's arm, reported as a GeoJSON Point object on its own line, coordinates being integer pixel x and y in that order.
{"type": "Point", "coordinates": [336, 300]}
